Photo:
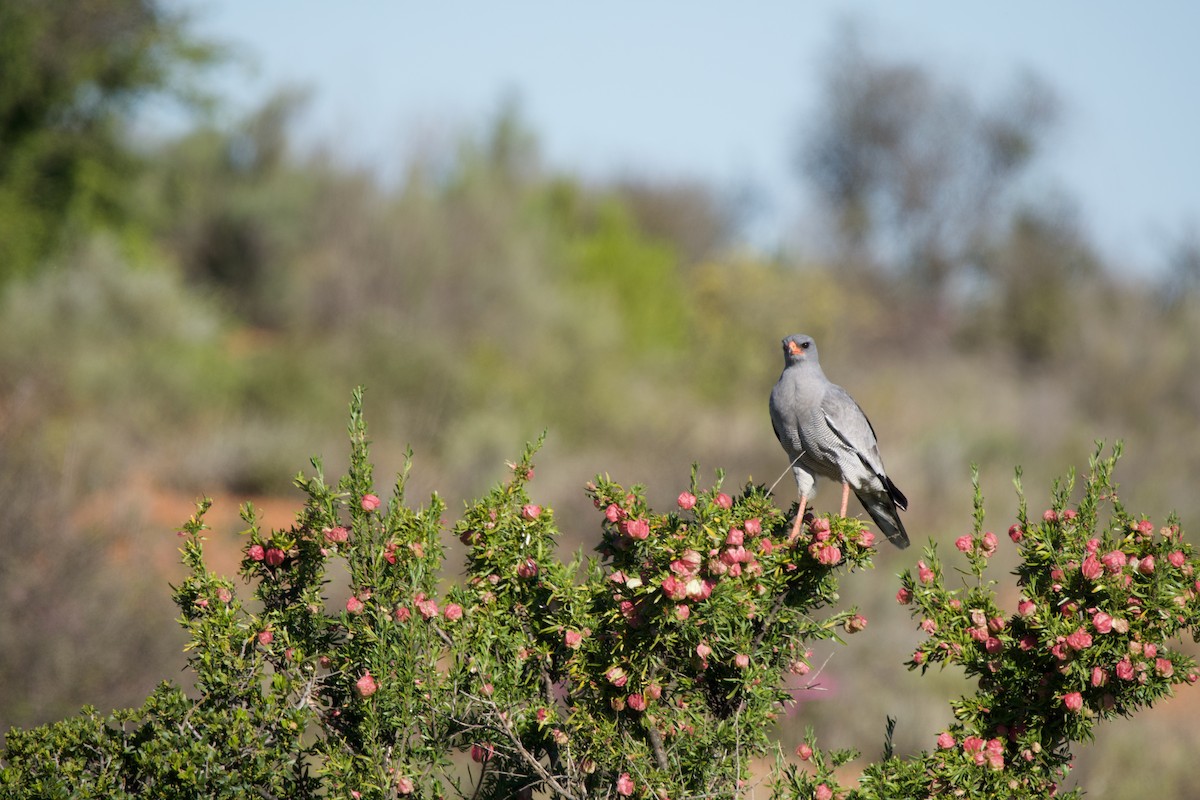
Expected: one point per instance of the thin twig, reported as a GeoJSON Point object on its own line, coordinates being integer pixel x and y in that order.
{"type": "Point", "coordinates": [656, 744]}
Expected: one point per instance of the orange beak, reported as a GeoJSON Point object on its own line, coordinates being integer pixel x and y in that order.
{"type": "Point", "coordinates": [794, 348]}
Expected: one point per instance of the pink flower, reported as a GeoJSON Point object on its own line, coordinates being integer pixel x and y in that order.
{"type": "Point", "coordinates": [753, 526]}
{"type": "Point", "coordinates": [994, 751]}
{"type": "Point", "coordinates": [804, 751]}
{"type": "Point", "coordinates": [737, 555]}
{"type": "Point", "coordinates": [724, 501]}
{"type": "Point", "coordinates": [1150, 650]}
{"type": "Point", "coordinates": [742, 661]}
{"type": "Point", "coordinates": [654, 691]}
{"type": "Point", "coordinates": [1091, 568]}
{"type": "Point", "coordinates": [481, 753]}
{"type": "Point", "coordinates": [1164, 667]}
{"type": "Point", "coordinates": [674, 588]}
{"type": "Point", "coordinates": [945, 741]}
{"type": "Point", "coordinates": [370, 502]}
{"type": "Point", "coordinates": [1079, 640]}
{"type": "Point", "coordinates": [1015, 533]}
{"type": "Point", "coordinates": [865, 538]}
{"type": "Point", "coordinates": [1102, 622]}
{"type": "Point", "coordinates": [1146, 565]}
{"type": "Point", "coordinates": [918, 657]}
{"type": "Point", "coordinates": [404, 785]}
{"type": "Point", "coordinates": [735, 537]}
{"type": "Point", "coordinates": [1050, 515]}
{"type": "Point", "coordinates": [699, 589]}
{"type": "Point", "coordinates": [427, 608]}
{"type": "Point", "coordinates": [402, 614]}
{"type": "Point", "coordinates": [354, 605]}
{"type": "Point", "coordinates": [614, 513]}
{"type": "Point", "coordinates": [636, 701]}
{"type": "Point", "coordinates": [1176, 558]}
{"type": "Point", "coordinates": [989, 543]}
{"type": "Point", "coordinates": [1073, 701]}
{"type": "Point", "coordinates": [688, 564]}
{"type": "Point", "coordinates": [335, 535]}
{"type": "Point", "coordinates": [856, 623]}
{"type": "Point", "coordinates": [527, 569]}
{"type": "Point", "coordinates": [703, 651]}
{"type": "Point", "coordinates": [924, 573]}
{"type": "Point", "coordinates": [1099, 676]}
{"type": "Point", "coordinates": [573, 639]}
{"type": "Point", "coordinates": [823, 792]}
{"type": "Point", "coordinates": [829, 555]}
{"type": "Point", "coordinates": [625, 785]}
{"type": "Point", "coordinates": [530, 511]}
{"type": "Point", "coordinates": [255, 552]}
{"type": "Point", "coordinates": [993, 645]}
{"type": "Point", "coordinates": [635, 528]}
{"type": "Point", "coordinates": [453, 612]}
{"type": "Point", "coordinates": [616, 676]}
{"type": "Point", "coordinates": [1026, 608]}
{"type": "Point", "coordinates": [972, 745]}
{"type": "Point", "coordinates": [820, 525]}
{"type": "Point", "coordinates": [366, 686]}
{"type": "Point", "coordinates": [274, 557]}
{"type": "Point", "coordinates": [1113, 561]}
{"type": "Point", "coordinates": [1125, 669]}
{"type": "Point", "coordinates": [265, 637]}
{"type": "Point", "coordinates": [686, 501]}
{"type": "Point", "coordinates": [1070, 514]}
{"type": "Point", "coordinates": [929, 626]}
{"type": "Point", "coordinates": [904, 596]}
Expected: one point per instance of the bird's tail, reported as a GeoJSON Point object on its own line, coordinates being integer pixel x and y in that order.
{"type": "Point", "coordinates": [882, 509]}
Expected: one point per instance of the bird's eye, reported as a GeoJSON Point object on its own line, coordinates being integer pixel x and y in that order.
{"type": "Point", "coordinates": [804, 345]}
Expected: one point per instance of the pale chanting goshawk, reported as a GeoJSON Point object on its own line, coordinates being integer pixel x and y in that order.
{"type": "Point", "coordinates": [826, 434]}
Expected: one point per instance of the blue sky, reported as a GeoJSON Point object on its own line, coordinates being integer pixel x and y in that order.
{"type": "Point", "coordinates": [719, 90]}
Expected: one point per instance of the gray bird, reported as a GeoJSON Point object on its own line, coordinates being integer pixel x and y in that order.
{"type": "Point", "coordinates": [826, 434]}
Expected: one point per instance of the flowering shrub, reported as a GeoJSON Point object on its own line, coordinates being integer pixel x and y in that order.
{"type": "Point", "coordinates": [653, 670]}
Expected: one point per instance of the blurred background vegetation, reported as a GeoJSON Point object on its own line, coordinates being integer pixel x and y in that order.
{"type": "Point", "coordinates": [186, 315]}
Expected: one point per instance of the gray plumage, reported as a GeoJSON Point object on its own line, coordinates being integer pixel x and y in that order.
{"type": "Point", "coordinates": [825, 434]}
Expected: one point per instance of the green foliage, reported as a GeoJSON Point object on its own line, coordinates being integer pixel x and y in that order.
{"type": "Point", "coordinates": [654, 669]}
{"type": "Point", "coordinates": [638, 273]}
{"type": "Point", "coordinates": [72, 76]}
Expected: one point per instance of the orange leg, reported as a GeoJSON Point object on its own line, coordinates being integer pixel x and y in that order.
{"type": "Point", "coordinates": [799, 519]}
{"type": "Point", "coordinates": [845, 499]}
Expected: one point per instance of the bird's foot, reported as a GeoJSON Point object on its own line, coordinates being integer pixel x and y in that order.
{"type": "Point", "coordinates": [798, 523]}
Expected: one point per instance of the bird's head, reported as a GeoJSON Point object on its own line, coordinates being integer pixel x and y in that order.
{"type": "Point", "coordinates": [799, 348]}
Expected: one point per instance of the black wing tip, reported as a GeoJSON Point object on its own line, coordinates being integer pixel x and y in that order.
{"type": "Point", "coordinates": [883, 511]}
{"type": "Point", "coordinates": [897, 497]}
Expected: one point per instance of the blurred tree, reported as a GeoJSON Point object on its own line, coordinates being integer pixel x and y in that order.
{"type": "Point", "coordinates": [230, 201]}
{"type": "Point", "coordinates": [1034, 275]}
{"type": "Point", "coordinates": [1181, 279]}
{"type": "Point", "coordinates": [73, 75]}
{"type": "Point", "coordinates": [688, 214]}
{"type": "Point", "coordinates": [913, 169]}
